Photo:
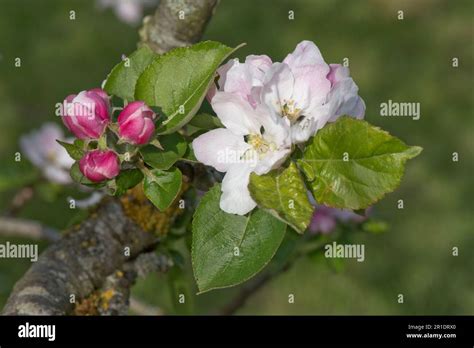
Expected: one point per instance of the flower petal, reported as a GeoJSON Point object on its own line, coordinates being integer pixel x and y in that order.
{"type": "Point", "coordinates": [278, 86]}
{"type": "Point", "coordinates": [219, 148]}
{"type": "Point", "coordinates": [235, 198]}
{"type": "Point", "coordinates": [305, 53]}
{"type": "Point", "coordinates": [235, 114]}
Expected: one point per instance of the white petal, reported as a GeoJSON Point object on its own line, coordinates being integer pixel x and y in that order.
{"type": "Point", "coordinates": [344, 100]}
{"type": "Point", "coordinates": [276, 128]}
{"type": "Point", "coordinates": [235, 198]}
{"type": "Point", "coordinates": [271, 161]}
{"type": "Point", "coordinates": [311, 86]}
{"type": "Point", "coordinates": [219, 148]}
{"type": "Point", "coordinates": [305, 53]}
{"type": "Point", "coordinates": [278, 86]}
{"type": "Point", "coordinates": [235, 114]}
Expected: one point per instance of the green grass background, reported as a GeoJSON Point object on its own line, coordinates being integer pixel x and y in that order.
{"type": "Point", "coordinates": [406, 60]}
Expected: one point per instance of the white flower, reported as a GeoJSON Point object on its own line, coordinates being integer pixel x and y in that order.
{"type": "Point", "coordinates": [303, 90]}
{"type": "Point", "coordinates": [251, 142]}
{"type": "Point", "coordinates": [129, 11]}
{"type": "Point", "coordinates": [243, 79]}
{"type": "Point", "coordinates": [41, 148]}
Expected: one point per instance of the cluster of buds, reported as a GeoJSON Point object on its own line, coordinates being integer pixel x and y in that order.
{"type": "Point", "coordinates": [88, 115]}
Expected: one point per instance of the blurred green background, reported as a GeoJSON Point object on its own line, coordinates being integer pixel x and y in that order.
{"type": "Point", "coordinates": [407, 60]}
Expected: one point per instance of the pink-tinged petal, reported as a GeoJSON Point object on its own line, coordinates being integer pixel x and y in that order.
{"type": "Point", "coordinates": [100, 165]}
{"type": "Point", "coordinates": [337, 73]}
{"type": "Point", "coordinates": [323, 221]}
{"type": "Point", "coordinates": [235, 114]}
{"type": "Point", "coordinates": [101, 107]}
{"type": "Point", "coordinates": [219, 148]}
{"type": "Point", "coordinates": [100, 92]}
{"type": "Point", "coordinates": [238, 81]}
{"type": "Point", "coordinates": [278, 86]}
{"type": "Point", "coordinates": [136, 124]}
{"type": "Point", "coordinates": [305, 53]}
{"type": "Point", "coordinates": [311, 86]}
{"type": "Point", "coordinates": [258, 66]}
{"type": "Point", "coordinates": [211, 92]}
{"type": "Point", "coordinates": [223, 70]}
{"type": "Point", "coordinates": [147, 132]}
{"type": "Point", "coordinates": [235, 198]}
{"type": "Point", "coordinates": [344, 100]}
{"type": "Point", "coordinates": [128, 110]}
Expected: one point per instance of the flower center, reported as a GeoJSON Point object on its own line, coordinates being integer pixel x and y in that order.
{"type": "Point", "coordinates": [259, 145]}
{"type": "Point", "coordinates": [290, 111]}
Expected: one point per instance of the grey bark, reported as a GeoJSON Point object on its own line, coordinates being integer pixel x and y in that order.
{"type": "Point", "coordinates": [176, 23]}
{"type": "Point", "coordinates": [79, 263]}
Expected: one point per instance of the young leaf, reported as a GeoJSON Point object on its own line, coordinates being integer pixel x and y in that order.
{"type": "Point", "coordinates": [283, 193]}
{"type": "Point", "coordinates": [162, 187]}
{"type": "Point", "coordinates": [178, 81]}
{"type": "Point", "coordinates": [174, 147]}
{"type": "Point", "coordinates": [123, 77]}
{"type": "Point", "coordinates": [352, 164]}
{"type": "Point", "coordinates": [73, 150]}
{"type": "Point", "coordinates": [228, 249]}
{"type": "Point", "coordinates": [127, 179]}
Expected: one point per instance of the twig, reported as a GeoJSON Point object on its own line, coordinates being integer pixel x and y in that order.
{"type": "Point", "coordinates": [253, 286]}
{"type": "Point", "coordinates": [141, 308]}
{"type": "Point", "coordinates": [20, 199]}
{"type": "Point", "coordinates": [13, 227]}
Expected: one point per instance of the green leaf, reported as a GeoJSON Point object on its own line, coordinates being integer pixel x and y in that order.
{"type": "Point", "coordinates": [282, 193]}
{"type": "Point", "coordinates": [228, 249]}
{"type": "Point", "coordinates": [352, 164]}
{"type": "Point", "coordinates": [162, 187]}
{"type": "Point", "coordinates": [206, 121]}
{"type": "Point", "coordinates": [178, 81]}
{"type": "Point", "coordinates": [73, 150]}
{"type": "Point", "coordinates": [174, 147]}
{"type": "Point", "coordinates": [126, 180]}
{"type": "Point", "coordinates": [123, 77]}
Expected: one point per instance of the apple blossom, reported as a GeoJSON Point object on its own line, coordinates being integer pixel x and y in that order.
{"type": "Point", "coordinates": [243, 79]}
{"type": "Point", "coordinates": [250, 142]}
{"type": "Point", "coordinates": [325, 218]}
{"type": "Point", "coordinates": [98, 165]}
{"type": "Point", "coordinates": [303, 90]}
{"type": "Point", "coordinates": [41, 148]}
{"type": "Point", "coordinates": [87, 114]}
{"type": "Point", "coordinates": [136, 123]}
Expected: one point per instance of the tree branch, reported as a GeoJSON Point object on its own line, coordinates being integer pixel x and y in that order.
{"type": "Point", "coordinates": [12, 227]}
{"type": "Point", "coordinates": [92, 257]}
{"type": "Point", "coordinates": [79, 263]}
{"type": "Point", "coordinates": [176, 23]}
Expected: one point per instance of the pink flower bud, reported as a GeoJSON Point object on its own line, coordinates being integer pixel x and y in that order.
{"type": "Point", "coordinates": [136, 123]}
{"type": "Point", "coordinates": [100, 165]}
{"type": "Point", "coordinates": [87, 113]}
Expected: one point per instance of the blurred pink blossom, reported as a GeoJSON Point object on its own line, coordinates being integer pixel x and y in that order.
{"type": "Point", "coordinates": [41, 148]}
